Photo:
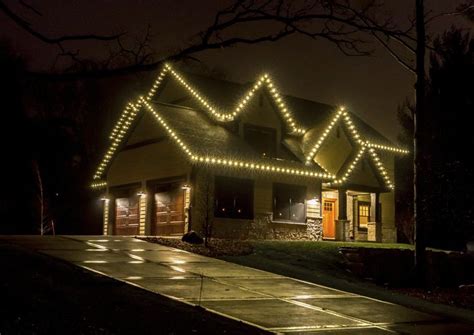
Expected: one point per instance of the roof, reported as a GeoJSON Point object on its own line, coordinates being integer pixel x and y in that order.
{"type": "Point", "coordinates": [207, 139]}
{"type": "Point", "coordinates": [310, 114]}
{"type": "Point", "coordinates": [204, 136]}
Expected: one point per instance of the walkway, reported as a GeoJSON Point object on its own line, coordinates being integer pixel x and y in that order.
{"type": "Point", "coordinates": [266, 300]}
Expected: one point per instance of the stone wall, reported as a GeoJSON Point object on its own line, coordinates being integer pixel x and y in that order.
{"type": "Point", "coordinates": [262, 227]}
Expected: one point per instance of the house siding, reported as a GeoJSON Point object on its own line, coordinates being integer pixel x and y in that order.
{"type": "Point", "coordinates": [389, 230]}
{"type": "Point", "coordinates": [262, 225]}
{"type": "Point", "coordinates": [387, 200]}
{"type": "Point", "coordinates": [157, 160]}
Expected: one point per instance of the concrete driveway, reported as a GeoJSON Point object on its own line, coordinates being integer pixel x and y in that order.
{"type": "Point", "coordinates": [266, 300]}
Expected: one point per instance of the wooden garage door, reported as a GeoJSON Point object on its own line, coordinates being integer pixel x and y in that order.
{"type": "Point", "coordinates": [169, 210]}
{"type": "Point", "coordinates": [126, 216]}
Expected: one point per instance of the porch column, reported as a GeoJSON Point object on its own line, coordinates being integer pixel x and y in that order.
{"type": "Point", "coordinates": [373, 207]}
{"type": "Point", "coordinates": [342, 224]}
{"type": "Point", "coordinates": [150, 198]}
{"type": "Point", "coordinates": [342, 210]}
{"type": "Point", "coordinates": [374, 226]}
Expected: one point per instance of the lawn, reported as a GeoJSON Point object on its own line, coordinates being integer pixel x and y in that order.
{"type": "Point", "coordinates": [323, 257]}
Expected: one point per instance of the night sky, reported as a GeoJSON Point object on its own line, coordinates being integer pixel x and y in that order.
{"type": "Point", "coordinates": [372, 87]}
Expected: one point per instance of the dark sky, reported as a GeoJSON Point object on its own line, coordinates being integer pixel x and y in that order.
{"type": "Point", "coordinates": [372, 87]}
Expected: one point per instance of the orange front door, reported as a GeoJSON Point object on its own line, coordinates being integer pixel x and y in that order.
{"type": "Point", "coordinates": [329, 215]}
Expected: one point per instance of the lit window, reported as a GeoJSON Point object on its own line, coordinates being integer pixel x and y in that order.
{"type": "Point", "coordinates": [364, 213]}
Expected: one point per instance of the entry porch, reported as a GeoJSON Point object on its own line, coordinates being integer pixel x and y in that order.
{"type": "Point", "coordinates": [351, 214]}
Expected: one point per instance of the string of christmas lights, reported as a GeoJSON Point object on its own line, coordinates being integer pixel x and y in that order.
{"type": "Point", "coordinates": [342, 114]}
{"type": "Point", "coordinates": [131, 110]}
{"type": "Point", "coordinates": [211, 160]}
{"type": "Point", "coordinates": [263, 82]}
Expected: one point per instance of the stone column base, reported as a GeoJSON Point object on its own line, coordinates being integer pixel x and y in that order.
{"type": "Point", "coordinates": [314, 229]}
{"type": "Point", "coordinates": [343, 230]}
{"type": "Point", "coordinates": [374, 231]}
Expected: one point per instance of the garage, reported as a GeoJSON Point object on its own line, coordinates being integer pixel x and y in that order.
{"type": "Point", "coordinates": [169, 213]}
{"type": "Point", "coordinates": [125, 206]}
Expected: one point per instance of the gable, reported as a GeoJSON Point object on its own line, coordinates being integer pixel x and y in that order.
{"type": "Point", "coordinates": [335, 150]}
{"type": "Point", "coordinates": [155, 160]}
{"type": "Point", "coordinates": [173, 93]}
{"type": "Point", "coordinates": [145, 130]}
{"type": "Point", "coordinates": [261, 112]}
{"type": "Point", "coordinates": [364, 174]}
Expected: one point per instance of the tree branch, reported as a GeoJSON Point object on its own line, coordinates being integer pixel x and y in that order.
{"type": "Point", "coordinates": [335, 21]}
{"type": "Point", "coordinates": [394, 54]}
{"type": "Point", "coordinates": [30, 7]}
{"type": "Point", "coordinates": [463, 10]}
{"type": "Point", "coordinates": [52, 40]}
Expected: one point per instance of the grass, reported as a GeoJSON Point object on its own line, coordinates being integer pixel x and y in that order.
{"type": "Point", "coordinates": [321, 256]}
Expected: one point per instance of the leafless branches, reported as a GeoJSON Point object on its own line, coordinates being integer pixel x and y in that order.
{"type": "Point", "coordinates": [349, 27]}
{"type": "Point", "coordinates": [25, 25]}
{"type": "Point", "coordinates": [466, 9]}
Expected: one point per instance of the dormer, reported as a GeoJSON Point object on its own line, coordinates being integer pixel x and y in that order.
{"type": "Point", "coordinates": [261, 126]}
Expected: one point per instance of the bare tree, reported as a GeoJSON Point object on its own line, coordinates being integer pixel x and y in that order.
{"type": "Point", "coordinates": [207, 205]}
{"type": "Point", "coordinates": [336, 21]}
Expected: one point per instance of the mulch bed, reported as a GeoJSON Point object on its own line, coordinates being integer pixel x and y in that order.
{"type": "Point", "coordinates": [217, 247]}
{"type": "Point", "coordinates": [458, 297]}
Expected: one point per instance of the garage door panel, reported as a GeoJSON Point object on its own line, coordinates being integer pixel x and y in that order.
{"type": "Point", "coordinates": [126, 216]}
{"type": "Point", "coordinates": [169, 210]}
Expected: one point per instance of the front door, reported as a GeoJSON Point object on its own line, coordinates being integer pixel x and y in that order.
{"type": "Point", "coordinates": [329, 215]}
{"type": "Point", "coordinates": [169, 213]}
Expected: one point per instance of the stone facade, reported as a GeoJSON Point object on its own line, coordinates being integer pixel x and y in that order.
{"type": "Point", "coordinates": [262, 227]}
{"type": "Point", "coordinates": [374, 232]}
{"type": "Point", "coordinates": [343, 230]}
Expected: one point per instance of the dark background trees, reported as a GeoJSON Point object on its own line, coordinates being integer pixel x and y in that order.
{"type": "Point", "coordinates": [448, 177]}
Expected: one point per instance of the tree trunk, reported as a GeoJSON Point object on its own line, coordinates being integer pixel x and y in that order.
{"type": "Point", "coordinates": [40, 195]}
{"type": "Point", "coordinates": [418, 142]}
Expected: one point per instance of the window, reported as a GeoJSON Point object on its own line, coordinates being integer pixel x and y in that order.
{"type": "Point", "coordinates": [262, 139]}
{"type": "Point", "coordinates": [364, 214]}
{"type": "Point", "coordinates": [233, 198]}
{"type": "Point", "coordinates": [289, 203]}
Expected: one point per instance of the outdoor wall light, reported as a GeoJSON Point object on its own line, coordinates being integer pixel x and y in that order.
{"type": "Point", "coordinates": [141, 193]}
{"type": "Point", "coordinates": [186, 187]}
{"type": "Point", "coordinates": [313, 201]}
{"type": "Point", "coordinates": [104, 198]}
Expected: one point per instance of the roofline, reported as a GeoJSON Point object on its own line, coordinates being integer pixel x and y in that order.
{"type": "Point", "coordinates": [128, 117]}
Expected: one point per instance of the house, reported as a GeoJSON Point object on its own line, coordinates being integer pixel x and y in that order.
{"type": "Point", "coordinates": [247, 161]}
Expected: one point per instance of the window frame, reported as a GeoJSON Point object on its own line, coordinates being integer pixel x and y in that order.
{"type": "Point", "coordinates": [359, 205]}
{"type": "Point", "coordinates": [234, 194]}
{"type": "Point", "coordinates": [281, 186]}
{"type": "Point", "coordinates": [250, 127]}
